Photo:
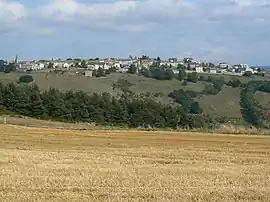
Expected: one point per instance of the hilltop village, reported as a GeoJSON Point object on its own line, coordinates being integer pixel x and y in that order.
{"type": "Point", "coordinates": [89, 66]}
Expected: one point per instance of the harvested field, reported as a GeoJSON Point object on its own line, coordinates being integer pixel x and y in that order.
{"type": "Point", "coordinates": [64, 165]}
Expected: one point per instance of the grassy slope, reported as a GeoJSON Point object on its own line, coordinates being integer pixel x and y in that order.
{"type": "Point", "coordinates": [263, 98]}
{"type": "Point", "coordinates": [225, 103]}
{"type": "Point", "coordinates": [60, 165]}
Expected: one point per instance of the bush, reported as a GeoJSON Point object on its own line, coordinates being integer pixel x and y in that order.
{"type": "Point", "coordinates": [195, 108]}
{"type": "Point", "coordinates": [192, 77]}
{"type": "Point", "coordinates": [234, 83]}
{"type": "Point", "coordinates": [132, 69]}
{"type": "Point", "coordinates": [209, 90]}
{"type": "Point", "coordinates": [26, 79]}
{"type": "Point", "coordinates": [248, 73]}
{"type": "Point", "coordinates": [181, 75]}
{"type": "Point", "coordinates": [201, 78]}
{"type": "Point", "coordinates": [184, 83]}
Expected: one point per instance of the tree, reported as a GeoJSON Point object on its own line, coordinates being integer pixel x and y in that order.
{"type": "Point", "coordinates": [26, 79]}
{"type": "Point", "coordinates": [69, 59]}
{"type": "Point", "coordinates": [209, 89]}
{"type": "Point", "coordinates": [83, 64]}
{"type": "Point", "coordinates": [2, 66]}
{"type": "Point", "coordinates": [168, 74]}
{"type": "Point", "coordinates": [181, 75]}
{"type": "Point", "coordinates": [11, 67]}
{"type": "Point", "coordinates": [218, 84]}
{"type": "Point", "coordinates": [211, 65]}
{"type": "Point", "coordinates": [181, 66]}
{"type": "Point", "coordinates": [234, 83]}
{"type": "Point", "coordinates": [184, 83]}
{"type": "Point", "coordinates": [145, 72]}
{"type": "Point", "coordinates": [50, 65]}
{"type": "Point", "coordinates": [192, 77]}
{"type": "Point", "coordinates": [36, 103]}
{"type": "Point", "coordinates": [195, 108]}
{"type": "Point", "coordinates": [248, 74]}
{"type": "Point", "coordinates": [102, 109]}
{"type": "Point", "coordinates": [187, 60]}
{"type": "Point", "coordinates": [201, 78]}
{"type": "Point", "coordinates": [100, 72]}
{"type": "Point", "coordinates": [132, 69]}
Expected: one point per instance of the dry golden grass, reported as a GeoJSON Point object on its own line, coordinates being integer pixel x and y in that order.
{"type": "Point", "coordinates": [65, 165]}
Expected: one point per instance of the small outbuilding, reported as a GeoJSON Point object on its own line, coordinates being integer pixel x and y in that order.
{"type": "Point", "coordinates": [88, 73]}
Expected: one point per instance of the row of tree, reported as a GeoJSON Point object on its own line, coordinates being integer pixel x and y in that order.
{"type": "Point", "coordinates": [186, 99]}
{"type": "Point", "coordinates": [251, 109]}
{"type": "Point", "coordinates": [7, 67]}
{"type": "Point", "coordinates": [76, 106]}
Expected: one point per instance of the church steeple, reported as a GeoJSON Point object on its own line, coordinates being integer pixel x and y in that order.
{"type": "Point", "coordinates": [16, 62]}
{"type": "Point", "coordinates": [16, 59]}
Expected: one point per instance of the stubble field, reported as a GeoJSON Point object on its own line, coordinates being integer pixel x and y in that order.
{"type": "Point", "coordinates": [95, 165]}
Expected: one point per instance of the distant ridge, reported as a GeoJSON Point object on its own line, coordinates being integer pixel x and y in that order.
{"type": "Point", "coordinates": [264, 67]}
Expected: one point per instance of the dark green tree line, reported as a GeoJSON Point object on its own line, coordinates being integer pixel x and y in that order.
{"type": "Point", "coordinates": [250, 108]}
{"type": "Point", "coordinates": [74, 106]}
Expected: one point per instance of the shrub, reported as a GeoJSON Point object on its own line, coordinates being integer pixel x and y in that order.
{"type": "Point", "coordinates": [248, 73]}
{"type": "Point", "coordinates": [26, 79]}
{"type": "Point", "coordinates": [195, 108]}
{"type": "Point", "coordinates": [234, 83]}
{"type": "Point", "coordinates": [201, 78]}
{"type": "Point", "coordinates": [184, 83]}
{"type": "Point", "coordinates": [181, 75]}
{"type": "Point", "coordinates": [209, 90]}
{"type": "Point", "coordinates": [193, 77]}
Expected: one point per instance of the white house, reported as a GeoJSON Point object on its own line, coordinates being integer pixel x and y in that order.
{"type": "Point", "coordinates": [66, 65]}
{"type": "Point", "coordinates": [223, 65]}
{"type": "Point", "coordinates": [213, 71]}
{"type": "Point", "coordinates": [37, 66]}
{"type": "Point", "coordinates": [199, 69]}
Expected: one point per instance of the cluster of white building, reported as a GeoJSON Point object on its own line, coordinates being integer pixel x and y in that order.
{"type": "Point", "coordinates": [122, 65]}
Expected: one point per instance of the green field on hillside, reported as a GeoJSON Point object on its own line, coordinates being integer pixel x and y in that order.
{"type": "Point", "coordinates": [226, 103]}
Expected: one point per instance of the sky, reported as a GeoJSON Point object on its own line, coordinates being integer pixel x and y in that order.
{"type": "Point", "coordinates": [233, 31]}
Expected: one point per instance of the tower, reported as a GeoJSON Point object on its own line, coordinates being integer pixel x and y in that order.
{"type": "Point", "coordinates": [16, 63]}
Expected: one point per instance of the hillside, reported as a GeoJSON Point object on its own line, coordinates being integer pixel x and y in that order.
{"type": "Point", "coordinates": [225, 103]}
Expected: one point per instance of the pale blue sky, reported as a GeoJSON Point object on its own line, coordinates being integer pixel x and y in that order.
{"type": "Point", "coordinates": [236, 31]}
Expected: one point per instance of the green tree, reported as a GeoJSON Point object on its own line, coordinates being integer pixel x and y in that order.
{"type": "Point", "coordinates": [218, 84]}
{"type": "Point", "coordinates": [181, 75]}
{"type": "Point", "coordinates": [132, 69]}
{"type": "Point", "coordinates": [181, 66]}
{"type": "Point", "coordinates": [36, 102]}
{"type": "Point", "coordinates": [26, 79]}
{"type": "Point", "coordinates": [211, 65]}
{"type": "Point", "coordinates": [11, 67]}
{"type": "Point", "coordinates": [185, 83]}
{"type": "Point", "coordinates": [201, 78]}
{"type": "Point", "coordinates": [187, 60]}
{"type": "Point", "coordinates": [248, 74]}
{"type": "Point", "coordinates": [83, 64]}
{"type": "Point", "coordinates": [234, 83]}
{"type": "Point", "coordinates": [50, 65]}
{"type": "Point", "coordinates": [192, 77]}
{"type": "Point", "coordinates": [100, 72]}
{"type": "Point", "coordinates": [2, 66]}
{"type": "Point", "coordinates": [195, 108]}
{"type": "Point", "coordinates": [145, 72]}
